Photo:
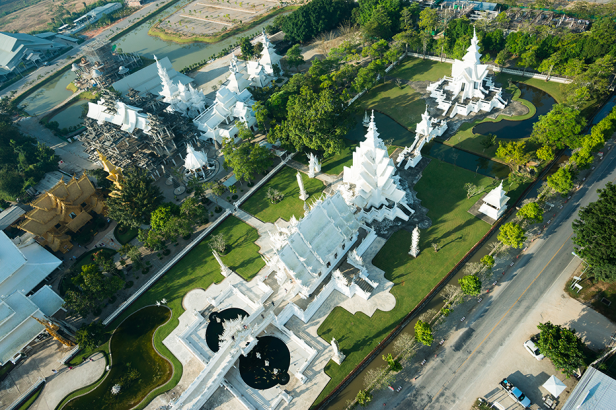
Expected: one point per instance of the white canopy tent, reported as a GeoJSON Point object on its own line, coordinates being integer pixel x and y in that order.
{"type": "Point", "coordinates": [554, 386]}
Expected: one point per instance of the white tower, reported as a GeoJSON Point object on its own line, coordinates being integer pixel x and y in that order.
{"type": "Point", "coordinates": [224, 270]}
{"type": "Point", "coordinates": [169, 89]}
{"type": "Point", "coordinates": [338, 356]}
{"type": "Point", "coordinates": [415, 243]}
{"type": "Point", "coordinates": [303, 195]}
{"type": "Point", "coordinates": [495, 203]}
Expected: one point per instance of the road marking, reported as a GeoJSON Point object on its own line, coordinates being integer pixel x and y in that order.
{"type": "Point", "coordinates": [501, 319]}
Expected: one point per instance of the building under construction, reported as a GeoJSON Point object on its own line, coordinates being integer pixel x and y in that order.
{"type": "Point", "coordinates": [101, 66]}
{"type": "Point", "coordinates": [136, 131]}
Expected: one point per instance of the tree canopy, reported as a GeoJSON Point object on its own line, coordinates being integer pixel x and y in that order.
{"type": "Point", "coordinates": [315, 17]}
{"type": "Point", "coordinates": [137, 199]}
{"type": "Point", "coordinates": [562, 180]}
{"type": "Point", "coordinates": [423, 333]}
{"type": "Point", "coordinates": [562, 346]}
{"type": "Point", "coordinates": [246, 158]}
{"type": "Point", "coordinates": [595, 234]}
{"type": "Point", "coordinates": [512, 234]}
{"type": "Point", "coordinates": [470, 285]}
{"type": "Point", "coordinates": [531, 211]}
{"type": "Point", "coordinates": [559, 128]}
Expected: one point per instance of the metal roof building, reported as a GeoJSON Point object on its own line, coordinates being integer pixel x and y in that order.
{"type": "Point", "coordinates": [595, 391]}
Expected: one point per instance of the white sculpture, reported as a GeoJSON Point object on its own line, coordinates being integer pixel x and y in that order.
{"type": "Point", "coordinates": [231, 328]}
{"type": "Point", "coordinates": [266, 363]}
{"type": "Point", "coordinates": [258, 355]}
{"type": "Point", "coordinates": [495, 203]}
{"type": "Point", "coordinates": [303, 195]}
{"type": "Point", "coordinates": [354, 258]}
{"type": "Point", "coordinates": [275, 371]}
{"type": "Point", "coordinates": [415, 243]}
{"type": "Point", "coordinates": [338, 356]}
{"type": "Point", "coordinates": [314, 165]}
{"type": "Point", "coordinates": [366, 121]}
{"type": "Point", "coordinates": [195, 161]}
{"type": "Point", "coordinates": [224, 270]}
{"type": "Point", "coordinates": [185, 100]}
{"type": "Point", "coordinates": [116, 389]}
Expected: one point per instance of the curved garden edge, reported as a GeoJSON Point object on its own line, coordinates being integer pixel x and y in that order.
{"type": "Point", "coordinates": [109, 361]}
{"type": "Point", "coordinates": [154, 31]}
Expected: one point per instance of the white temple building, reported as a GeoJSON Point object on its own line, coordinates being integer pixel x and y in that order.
{"type": "Point", "coordinates": [425, 131]}
{"type": "Point", "coordinates": [495, 203]}
{"type": "Point", "coordinates": [126, 116]}
{"type": "Point", "coordinates": [469, 80]}
{"type": "Point", "coordinates": [196, 163]}
{"type": "Point", "coordinates": [23, 267]}
{"type": "Point", "coordinates": [181, 99]}
{"type": "Point", "coordinates": [376, 187]}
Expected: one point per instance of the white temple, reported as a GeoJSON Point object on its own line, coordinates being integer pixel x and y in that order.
{"type": "Point", "coordinates": [467, 81]}
{"type": "Point", "coordinates": [377, 190]}
{"type": "Point", "coordinates": [495, 203]}
{"type": "Point", "coordinates": [126, 116]}
{"type": "Point", "coordinates": [182, 99]}
{"type": "Point", "coordinates": [425, 131]}
{"type": "Point", "coordinates": [195, 162]}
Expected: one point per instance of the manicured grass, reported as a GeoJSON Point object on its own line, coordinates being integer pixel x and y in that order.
{"type": "Point", "coordinates": [453, 228]}
{"type": "Point", "coordinates": [197, 270]}
{"type": "Point", "coordinates": [286, 182]}
{"type": "Point", "coordinates": [125, 235]}
{"type": "Point", "coordinates": [403, 105]}
{"type": "Point", "coordinates": [335, 164]}
{"type": "Point", "coordinates": [417, 69]}
{"type": "Point", "coordinates": [32, 398]}
{"type": "Point", "coordinates": [131, 346]}
{"type": "Point", "coordinates": [550, 87]}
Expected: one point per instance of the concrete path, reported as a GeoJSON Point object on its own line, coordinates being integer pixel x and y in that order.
{"type": "Point", "coordinates": [60, 385]}
{"type": "Point", "coordinates": [326, 178]}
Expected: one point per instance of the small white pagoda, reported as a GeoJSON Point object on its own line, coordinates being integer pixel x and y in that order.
{"type": "Point", "coordinates": [196, 163]}
{"type": "Point", "coordinates": [495, 203]}
{"type": "Point", "coordinates": [268, 55]}
{"type": "Point", "coordinates": [185, 100]}
{"type": "Point", "coordinates": [238, 81]}
{"type": "Point", "coordinates": [467, 81]}
{"type": "Point", "coordinates": [377, 190]}
{"type": "Point", "coordinates": [426, 130]}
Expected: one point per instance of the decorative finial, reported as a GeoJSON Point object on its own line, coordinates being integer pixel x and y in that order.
{"type": "Point", "coordinates": [372, 116]}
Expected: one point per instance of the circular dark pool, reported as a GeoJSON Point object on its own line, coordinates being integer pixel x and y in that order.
{"type": "Point", "coordinates": [215, 329]}
{"type": "Point", "coordinates": [256, 374]}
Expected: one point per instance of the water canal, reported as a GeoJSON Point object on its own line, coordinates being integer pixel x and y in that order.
{"type": "Point", "coordinates": [519, 129]}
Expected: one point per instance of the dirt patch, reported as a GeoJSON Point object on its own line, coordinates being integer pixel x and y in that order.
{"type": "Point", "coordinates": [600, 296]}
{"type": "Point", "coordinates": [37, 16]}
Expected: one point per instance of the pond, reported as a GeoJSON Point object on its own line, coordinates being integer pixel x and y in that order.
{"type": "Point", "coordinates": [466, 160]}
{"type": "Point", "coordinates": [519, 129]}
{"type": "Point", "coordinates": [137, 41]}
{"type": "Point", "coordinates": [215, 327]}
{"type": "Point", "coordinates": [71, 115]}
{"type": "Point", "coordinates": [267, 364]}
{"type": "Point", "coordinates": [135, 364]}
{"type": "Point", "coordinates": [390, 131]}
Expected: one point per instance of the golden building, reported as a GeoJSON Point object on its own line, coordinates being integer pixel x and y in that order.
{"type": "Point", "coordinates": [115, 173]}
{"type": "Point", "coordinates": [64, 207]}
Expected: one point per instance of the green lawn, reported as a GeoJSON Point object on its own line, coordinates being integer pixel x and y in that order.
{"type": "Point", "coordinates": [550, 87]}
{"type": "Point", "coordinates": [198, 269]}
{"type": "Point", "coordinates": [456, 231]}
{"type": "Point", "coordinates": [124, 235]}
{"type": "Point", "coordinates": [417, 69]}
{"type": "Point", "coordinates": [404, 105]}
{"type": "Point", "coordinates": [286, 182]}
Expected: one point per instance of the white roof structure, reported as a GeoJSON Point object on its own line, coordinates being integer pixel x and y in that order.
{"type": "Point", "coordinates": [307, 250]}
{"type": "Point", "coordinates": [194, 159]}
{"type": "Point", "coordinates": [9, 216]}
{"type": "Point", "coordinates": [127, 116]}
{"type": "Point", "coordinates": [268, 55]}
{"type": "Point", "coordinates": [15, 47]}
{"type": "Point", "coordinates": [554, 386]}
{"type": "Point", "coordinates": [469, 71]}
{"type": "Point", "coordinates": [494, 203]}
{"type": "Point", "coordinates": [148, 80]}
{"type": "Point", "coordinates": [425, 125]}
{"type": "Point", "coordinates": [595, 391]}
{"type": "Point", "coordinates": [22, 268]}
{"type": "Point", "coordinates": [372, 173]}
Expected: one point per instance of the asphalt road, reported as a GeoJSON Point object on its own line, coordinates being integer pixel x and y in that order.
{"type": "Point", "coordinates": [447, 381]}
{"type": "Point", "coordinates": [63, 59]}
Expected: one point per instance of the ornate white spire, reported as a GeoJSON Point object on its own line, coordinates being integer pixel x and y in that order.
{"type": "Point", "coordinates": [414, 251]}
{"type": "Point", "coordinates": [169, 89]}
{"type": "Point", "coordinates": [473, 56]}
{"type": "Point", "coordinates": [224, 270]}
{"type": "Point", "coordinates": [303, 195]}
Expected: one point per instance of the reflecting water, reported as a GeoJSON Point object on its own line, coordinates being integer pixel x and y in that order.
{"type": "Point", "coordinates": [466, 160]}
{"type": "Point", "coordinates": [519, 129]}
{"type": "Point", "coordinates": [388, 128]}
{"type": "Point", "coordinates": [49, 95]}
{"type": "Point", "coordinates": [71, 115]}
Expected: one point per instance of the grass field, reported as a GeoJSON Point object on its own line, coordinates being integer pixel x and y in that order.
{"type": "Point", "coordinates": [403, 105]}
{"type": "Point", "coordinates": [417, 69]}
{"type": "Point", "coordinates": [453, 228]}
{"type": "Point", "coordinates": [125, 235]}
{"type": "Point", "coordinates": [286, 182]}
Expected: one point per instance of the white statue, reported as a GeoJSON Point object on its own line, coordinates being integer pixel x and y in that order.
{"type": "Point", "coordinates": [258, 355]}
{"type": "Point", "coordinates": [354, 258]}
{"type": "Point", "coordinates": [224, 270]}
{"type": "Point", "coordinates": [116, 389]}
{"type": "Point", "coordinates": [275, 371]}
{"type": "Point", "coordinates": [313, 165]}
{"type": "Point", "coordinates": [303, 195]}
{"type": "Point", "coordinates": [366, 121]}
{"type": "Point", "coordinates": [266, 363]}
{"type": "Point", "coordinates": [414, 251]}
{"type": "Point", "coordinates": [338, 355]}
{"type": "Point", "coordinates": [231, 328]}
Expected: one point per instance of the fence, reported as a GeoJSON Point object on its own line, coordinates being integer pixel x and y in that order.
{"type": "Point", "coordinates": [21, 399]}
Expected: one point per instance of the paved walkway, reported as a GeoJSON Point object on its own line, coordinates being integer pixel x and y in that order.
{"type": "Point", "coordinates": [60, 385]}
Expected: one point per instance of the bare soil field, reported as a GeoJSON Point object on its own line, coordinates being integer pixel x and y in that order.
{"type": "Point", "coordinates": [36, 16]}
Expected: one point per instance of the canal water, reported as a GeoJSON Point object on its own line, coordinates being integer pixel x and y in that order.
{"type": "Point", "coordinates": [519, 129]}
{"type": "Point", "coordinates": [71, 115]}
{"type": "Point", "coordinates": [137, 41]}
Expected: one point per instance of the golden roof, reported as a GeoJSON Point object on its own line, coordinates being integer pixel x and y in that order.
{"type": "Point", "coordinates": [115, 173]}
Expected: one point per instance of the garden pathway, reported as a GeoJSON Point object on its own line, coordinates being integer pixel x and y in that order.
{"type": "Point", "coordinates": [326, 178]}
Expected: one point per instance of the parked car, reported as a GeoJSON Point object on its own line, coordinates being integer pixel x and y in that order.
{"type": "Point", "coordinates": [533, 349]}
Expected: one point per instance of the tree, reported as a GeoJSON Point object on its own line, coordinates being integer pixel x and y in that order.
{"type": "Point", "coordinates": [513, 153]}
{"type": "Point", "coordinates": [90, 336]}
{"type": "Point", "coordinates": [470, 285]}
{"type": "Point", "coordinates": [529, 58]}
{"type": "Point", "coordinates": [561, 181]}
{"type": "Point", "coordinates": [101, 177]}
{"type": "Point", "coordinates": [559, 128]}
{"type": "Point", "coordinates": [512, 234]}
{"type": "Point", "coordinates": [247, 48]}
{"type": "Point", "coordinates": [393, 364]}
{"type": "Point", "coordinates": [136, 201]}
{"type": "Point", "coordinates": [364, 397]}
{"type": "Point", "coordinates": [501, 58]}
{"type": "Point", "coordinates": [423, 333]}
{"type": "Point", "coordinates": [218, 243]}
{"type": "Point", "coordinates": [380, 24]}
{"type": "Point", "coordinates": [217, 189]}
{"type": "Point", "coordinates": [488, 261]}
{"type": "Point", "coordinates": [404, 343]}
{"type": "Point", "coordinates": [132, 252]}
{"type": "Point", "coordinates": [545, 153]}
{"type": "Point", "coordinates": [428, 18]}
{"type": "Point", "coordinates": [162, 215]}
{"type": "Point", "coordinates": [244, 157]}
{"type": "Point", "coordinates": [594, 236]}
{"type": "Point", "coordinates": [315, 17]}
{"type": "Point", "coordinates": [472, 190]}
{"type": "Point", "coordinates": [532, 212]}
{"type": "Point", "coordinates": [562, 346]}
{"type": "Point", "coordinates": [76, 303]}
{"type": "Point", "coordinates": [193, 211]}
{"type": "Point", "coordinates": [294, 57]}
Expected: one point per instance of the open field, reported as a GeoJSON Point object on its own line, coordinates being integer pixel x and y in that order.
{"type": "Point", "coordinates": [286, 182]}
{"type": "Point", "coordinates": [453, 228]}
{"type": "Point", "coordinates": [36, 16]}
